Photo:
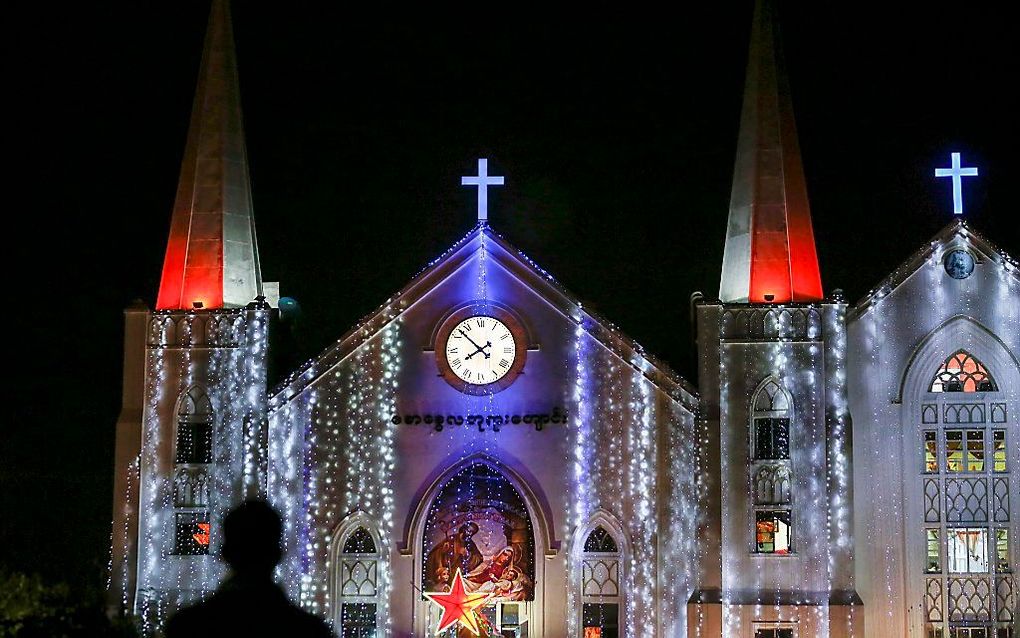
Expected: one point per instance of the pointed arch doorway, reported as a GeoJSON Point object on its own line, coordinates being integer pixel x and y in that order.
{"type": "Point", "coordinates": [482, 519]}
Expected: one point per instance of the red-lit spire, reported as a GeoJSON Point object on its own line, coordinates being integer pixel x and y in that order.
{"type": "Point", "coordinates": [770, 247]}
{"type": "Point", "coordinates": [212, 257]}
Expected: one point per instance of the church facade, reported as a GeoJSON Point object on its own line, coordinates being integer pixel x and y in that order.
{"type": "Point", "coordinates": [838, 470]}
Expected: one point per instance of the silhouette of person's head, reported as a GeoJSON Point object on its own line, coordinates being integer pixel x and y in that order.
{"type": "Point", "coordinates": [252, 534]}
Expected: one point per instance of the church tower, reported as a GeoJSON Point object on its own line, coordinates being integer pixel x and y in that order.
{"type": "Point", "coordinates": [190, 434]}
{"type": "Point", "coordinates": [777, 548]}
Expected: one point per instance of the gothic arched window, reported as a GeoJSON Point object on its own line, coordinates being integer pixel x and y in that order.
{"type": "Point", "coordinates": [194, 428]}
{"type": "Point", "coordinates": [358, 584]}
{"type": "Point", "coordinates": [772, 485]}
{"type": "Point", "coordinates": [601, 567]}
{"type": "Point", "coordinates": [193, 452]}
{"type": "Point", "coordinates": [191, 488]}
{"type": "Point", "coordinates": [600, 541]}
{"type": "Point", "coordinates": [359, 542]}
{"type": "Point", "coordinates": [962, 372]}
{"type": "Point", "coordinates": [770, 423]}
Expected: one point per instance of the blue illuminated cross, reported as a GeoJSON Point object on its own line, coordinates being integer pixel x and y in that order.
{"type": "Point", "coordinates": [957, 173]}
{"type": "Point", "coordinates": [483, 181]}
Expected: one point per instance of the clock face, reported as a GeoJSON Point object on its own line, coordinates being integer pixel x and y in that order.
{"type": "Point", "coordinates": [959, 264]}
{"type": "Point", "coordinates": [480, 350]}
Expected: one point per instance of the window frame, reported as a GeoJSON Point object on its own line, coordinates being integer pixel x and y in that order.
{"type": "Point", "coordinates": [201, 516]}
{"type": "Point", "coordinates": [994, 456]}
{"type": "Point", "coordinates": [938, 567]}
{"type": "Point", "coordinates": [925, 467]}
{"type": "Point", "coordinates": [343, 534]}
{"type": "Point", "coordinates": [791, 546]}
{"type": "Point", "coordinates": [774, 627]}
{"type": "Point", "coordinates": [783, 413]}
{"type": "Point", "coordinates": [950, 554]}
{"type": "Point", "coordinates": [1002, 561]}
{"type": "Point", "coordinates": [943, 375]}
{"type": "Point", "coordinates": [608, 523]}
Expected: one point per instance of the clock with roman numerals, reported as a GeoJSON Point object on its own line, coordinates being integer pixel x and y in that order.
{"type": "Point", "coordinates": [481, 350]}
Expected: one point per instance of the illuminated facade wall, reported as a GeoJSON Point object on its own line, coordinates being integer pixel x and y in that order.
{"type": "Point", "coordinates": [593, 434]}
{"type": "Point", "coordinates": [899, 337]}
{"type": "Point", "coordinates": [187, 451]}
{"type": "Point", "coordinates": [778, 510]}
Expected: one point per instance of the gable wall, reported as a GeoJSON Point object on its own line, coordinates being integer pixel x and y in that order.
{"type": "Point", "coordinates": [627, 450]}
{"type": "Point", "coordinates": [900, 342]}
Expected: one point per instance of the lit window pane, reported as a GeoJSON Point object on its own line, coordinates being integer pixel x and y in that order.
{"type": "Point", "coordinates": [933, 564]}
{"type": "Point", "coordinates": [601, 620]}
{"type": "Point", "coordinates": [772, 532]}
{"type": "Point", "coordinates": [192, 534]}
{"type": "Point", "coordinates": [999, 450]}
{"type": "Point", "coordinates": [954, 450]}
{"type": "Point", "coordinates": [975, 451]}
{"type": "Point", "coordinates": [1002, 550]}
{"type": "Point", "coordinates": [931, 452]}
{"type": "Point", "coordinates": [967, 550]}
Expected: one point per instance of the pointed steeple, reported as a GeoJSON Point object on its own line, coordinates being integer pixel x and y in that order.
{"type": "Point", "coordinates": [770, 246]}
{"type": "Point", "coordinates": [212, 256]}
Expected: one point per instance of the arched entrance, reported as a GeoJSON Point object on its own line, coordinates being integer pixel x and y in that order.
{"type": "Point", "coordinates": [478, 518]}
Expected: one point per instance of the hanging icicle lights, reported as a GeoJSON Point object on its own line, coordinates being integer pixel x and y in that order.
{"type": "Point", "coordinates": [221, 355]}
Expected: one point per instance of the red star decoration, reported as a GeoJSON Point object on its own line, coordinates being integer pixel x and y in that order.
{"type": "Point", "coordinates": [202, 537]}
{"type": "Point", "coordinates": [459, 605]}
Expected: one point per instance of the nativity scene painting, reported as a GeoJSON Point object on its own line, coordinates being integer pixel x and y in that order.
{"type": "Point", "coordinates": [480, 525]}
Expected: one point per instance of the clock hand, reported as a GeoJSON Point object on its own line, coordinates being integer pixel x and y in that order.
{"type": "Point", "coordinates": [469, 339]}
{"type": "Point", "coordinates": [479, 349]}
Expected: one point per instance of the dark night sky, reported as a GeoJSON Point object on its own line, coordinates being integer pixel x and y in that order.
{"type": "Point", "coordinates": [616, 134]}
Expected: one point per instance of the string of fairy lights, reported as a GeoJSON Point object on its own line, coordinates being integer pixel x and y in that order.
{"type": "Point", "coordinates": [329, 450]}
{"type": "Point", "coordinates": [922, 313]}
{"type": "Point", "coordinates": [811, 369]}
{"type": "Point", "coordinates": [222, 355]}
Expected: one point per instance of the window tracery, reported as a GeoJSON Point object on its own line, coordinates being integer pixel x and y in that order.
{"type": "Point", "coordinates": [962, 372]}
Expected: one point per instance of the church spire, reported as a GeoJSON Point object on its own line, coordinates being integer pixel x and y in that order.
{"type": "Point", "coordinates": [212, 256]}
{"type": "Point", "coordinates": [770, 247]}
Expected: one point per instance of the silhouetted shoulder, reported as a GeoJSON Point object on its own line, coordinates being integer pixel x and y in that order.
{"type": "Point", "coordinates": [247, 613]}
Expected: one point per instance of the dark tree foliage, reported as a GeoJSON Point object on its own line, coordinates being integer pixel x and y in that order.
{"type": "Point", "coordinates": [31, 607]}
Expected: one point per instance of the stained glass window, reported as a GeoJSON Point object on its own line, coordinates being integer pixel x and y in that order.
{"type": "Point", "coordinates": [600, 541]}
{"type": "Point", "coordinates": [962, 373]}
{"type": "Point", "coordinates": [772, 532]}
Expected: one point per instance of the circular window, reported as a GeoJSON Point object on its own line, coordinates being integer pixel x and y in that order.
{"type": "Point", "coordinates": [959, 264]}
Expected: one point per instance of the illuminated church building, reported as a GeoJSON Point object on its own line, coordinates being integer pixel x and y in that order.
{"type": "Point", "coordinates": [838, 471]}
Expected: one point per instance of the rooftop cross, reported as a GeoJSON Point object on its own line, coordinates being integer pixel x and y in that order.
{"type": "Point", "coordinates": [956, 172]}
{"type": "Point", "coordinates": [483, 181]}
